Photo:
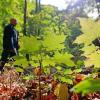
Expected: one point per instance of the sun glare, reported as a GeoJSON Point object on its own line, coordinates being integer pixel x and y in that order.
{"type": "Point", "coordinates": [61, 4]}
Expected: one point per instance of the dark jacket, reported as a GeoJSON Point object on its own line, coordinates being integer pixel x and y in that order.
{"type": "Point", "coordinates": [10, 38]}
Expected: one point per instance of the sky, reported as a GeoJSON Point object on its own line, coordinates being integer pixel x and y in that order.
{"type": "Point", "coordinates": [94, 14]}
{"type": "Point", "coordinates": [58, 3]}
{"type": "Point", "coordinates": [61, 4]}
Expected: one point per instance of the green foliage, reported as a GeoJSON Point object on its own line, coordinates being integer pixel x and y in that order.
{"type": "Point", "coordinates": [11, 9]}
{"type": "Point", "coordinates": [0, 44]}
{"type": "Point", "coordinates": [29, 77]}
{"type": "Point", "coordinates": [67, 71]}
{"type": "Point", "coordinates": [78, 70]}
{"type": "Point", "coordinates": [67, 80]}
{"type": "Point", "coordinates": [18, 69]}
{"type": "Point", "coordinates": [71, 47]}
{"type": "Point", "coordinates": [46, 50]}
{"type": "Point", "coordinates": [54, 42]}
{"type": "Point", "coordinates": [63, 58]}
{"type": "Point", "coordinates": [90, 31]}
{"type": "Point", "coordinates": [87, 86]}
{"type": "Point", "coordinates": [30, 44]}
{"type": "Point", "coordinates": [64, 75]}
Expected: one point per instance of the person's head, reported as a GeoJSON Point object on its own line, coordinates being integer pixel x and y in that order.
{"type": "Point", "coordinates": [13, 21]}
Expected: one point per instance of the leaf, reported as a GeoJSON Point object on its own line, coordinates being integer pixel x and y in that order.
{"type": "Point", "coordinates": [28, 77]}
{"type": "Point", "coordinates": [90, 31]}
{"type": "Point", "coordinates": [30, 44]}
{"type": "Point", "coordinates": [93, 59]}
{"type": "Point", "coordinates": [77, 70]}
{"type": "Point", "coordinates": [54, 41]}
{"type": "Point", "coordinates": [87, 86]}
{"type": "Point", "coordinates": [69, 81]}
{"type": "Point", "coordinates": [19, 69]}
{"type": "Point", "coordinates": [47, 62]}
{"type": "Point", "coordinates": [67, 71]}
{"type": "Point", "coordinates": [58, 68]}
{"type": "Point", "coordinates": [63, 58]}
{"type": "Point", "coordinates": [21, 62]}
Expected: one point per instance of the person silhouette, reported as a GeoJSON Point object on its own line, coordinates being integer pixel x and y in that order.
{"type": "Point", "coordinates": [10, 42]}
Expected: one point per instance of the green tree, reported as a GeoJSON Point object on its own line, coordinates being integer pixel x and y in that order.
{"type": "Point", "coordinates": [90, 33]}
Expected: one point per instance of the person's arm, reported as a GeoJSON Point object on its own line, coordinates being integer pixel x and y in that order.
{"type": "Point", "coordinates": [13, 49]}
{"type": "Point", "coordinates": [17, 44]}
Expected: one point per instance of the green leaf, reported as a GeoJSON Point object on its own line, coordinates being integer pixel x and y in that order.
{"type": "Point", "coordinates": [63, 58]}
{"type": "Point", "coordinates": [93, 59]}
{"type": "Point", "coordinates": [54, 41]}
{"type": "Point", "coordinates": [91, 30]}
{"type": "Point", "coordinates": [58, 68]}
{"type": "Point", "coordinates": [30, 44]}
{"type": "Point", "coordinates": [28, 77]}
{"type": "Point", "coordinates": [21, 62]}
{"type": "Point", "coordinates": [69, 81]}
{"type": "Point", "coordinates": [19, 69]}
{"type": "Point", "coordinates": [87, 86]}
{"type": "Point", "coordinates": [77, 70]}
{"type": "Point", "coordinates": [67, 71]}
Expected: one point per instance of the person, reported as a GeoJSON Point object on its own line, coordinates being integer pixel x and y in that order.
{"type": "Point", "coordinates": [10, 42]}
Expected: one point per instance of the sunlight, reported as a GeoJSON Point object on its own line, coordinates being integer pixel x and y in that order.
{"type": "Point", "coordinates": [94, 14]}
{"type": "Point", "coordinates": [71, 0]}
{"type": "Point", "coordinates": [61, 4]}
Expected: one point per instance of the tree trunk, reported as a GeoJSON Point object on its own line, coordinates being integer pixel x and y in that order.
{"type": "Point", "coordinates": [38, 4]}
{"type": "Point", "coordinates": [36, 9]}
{"type": "Point", "coordinates": [25, 15]}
